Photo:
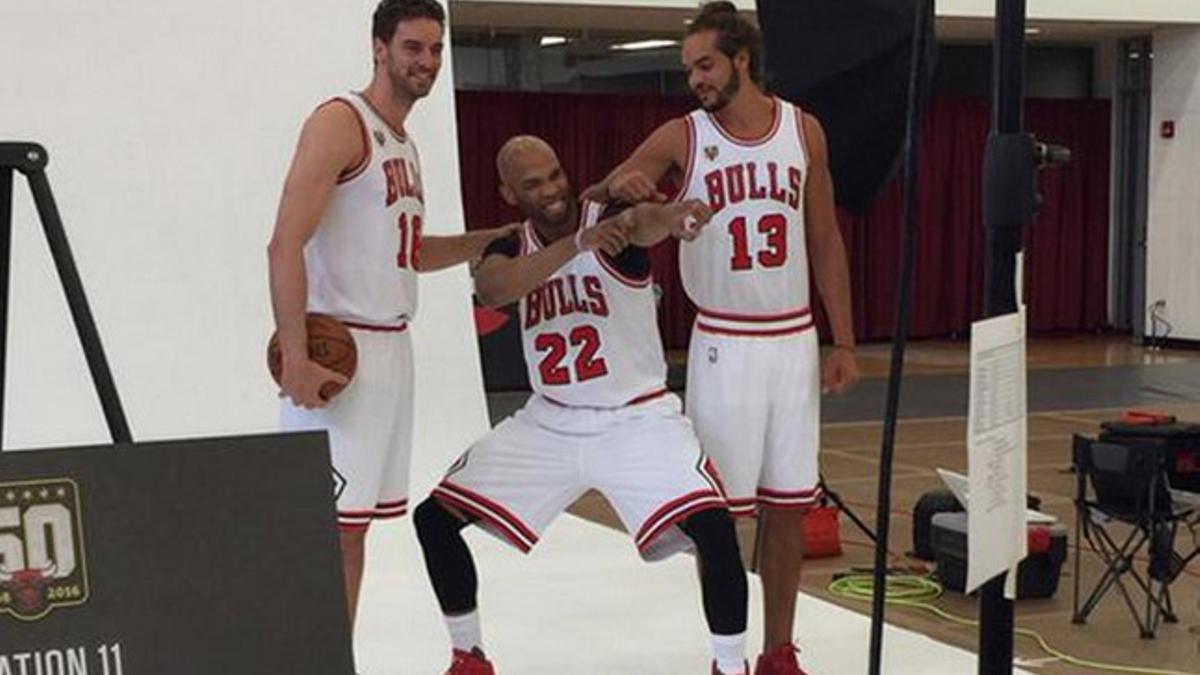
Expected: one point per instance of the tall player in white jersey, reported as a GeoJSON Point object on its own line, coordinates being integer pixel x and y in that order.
{"type": "Point", "coordinates": [600, 417]}
{"type": "Point", "coordinates": [753, 388]}
{"type": "Point", "coordinates": [348, 243]}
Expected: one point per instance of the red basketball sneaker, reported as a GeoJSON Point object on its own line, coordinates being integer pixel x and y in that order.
{"type": "Point", "coordinates": [779, 661]}
{"type": "Point", "coordinates": [469, 663]}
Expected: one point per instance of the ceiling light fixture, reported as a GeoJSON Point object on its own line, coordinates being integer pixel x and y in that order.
{"type": "Point", "coordinates": [640, 45]}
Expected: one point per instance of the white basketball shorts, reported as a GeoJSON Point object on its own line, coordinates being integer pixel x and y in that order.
{"type": "Point", "coordinates": [643, 458]}
{"type": "Point", "coordinates": [370, 425]}
{"type": "Point", "coordinates": [754, 401]}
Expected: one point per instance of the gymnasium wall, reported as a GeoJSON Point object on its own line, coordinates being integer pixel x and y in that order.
{"type": "Point", "coordinates": [169, 128]}
{"type": "Point", "coordinates": [1156, 11]}
{"type": "Point", "coordinates": [1173, 241]}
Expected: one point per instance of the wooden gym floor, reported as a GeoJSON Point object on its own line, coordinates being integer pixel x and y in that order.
{"type": "Point", "coordinates": [850, 465]}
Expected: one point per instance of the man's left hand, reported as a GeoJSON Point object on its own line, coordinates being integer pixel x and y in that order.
{"type": "Point", "coordinates": [839, 372]}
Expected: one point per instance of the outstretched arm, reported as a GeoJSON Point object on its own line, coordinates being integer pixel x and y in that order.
{"type": "Point", "coordinates": [505, 276]}
{"type": "Point", "coordinates": [440, 252]}
{"type": "Point", "coordinates": [650, 223]}
{"type": "Point", "coordinates": [636, 179]}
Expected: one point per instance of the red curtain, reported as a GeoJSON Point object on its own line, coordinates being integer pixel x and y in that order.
{"type": "Point", "coordinates": [1066, 249]}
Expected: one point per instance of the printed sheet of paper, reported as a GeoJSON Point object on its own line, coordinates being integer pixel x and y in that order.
{"type": "Point", "coordinates": [996, 450]}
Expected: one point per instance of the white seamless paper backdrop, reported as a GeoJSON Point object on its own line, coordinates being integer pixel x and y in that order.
{"type": "Point", "coordinates": [169, 127]}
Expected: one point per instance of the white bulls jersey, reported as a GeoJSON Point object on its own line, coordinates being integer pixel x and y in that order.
{"type": "Point", "coordinates": [590, 333]}
{"type": "Point", "coordinates": [751, 259]}
{"type": "Point", "coordinates": [361, 258]}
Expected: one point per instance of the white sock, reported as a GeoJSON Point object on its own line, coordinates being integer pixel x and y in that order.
{"type": "Point", "coordinates": [465, 632]}
{"type": "Point", "coordinates": [730, 653]}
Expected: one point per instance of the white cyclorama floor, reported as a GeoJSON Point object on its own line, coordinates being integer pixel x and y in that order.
{"type": "Point", "coordinates": [583, 602]}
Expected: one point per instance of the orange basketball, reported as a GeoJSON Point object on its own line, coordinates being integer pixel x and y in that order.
{"type": "Point", "coordinates": [330, 344]}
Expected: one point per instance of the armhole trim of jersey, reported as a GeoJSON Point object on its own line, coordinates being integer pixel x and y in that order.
{"type": "Point", "coordinates": [801, 135]}
{"type": "Point", "coordinates": [526, 246]}
{"type": "Point", "coordinates": [589, 213]}
{"type": "Point", "coordinates": [691, 158]}
{"type": "Point", "coordinates": [357, 170]}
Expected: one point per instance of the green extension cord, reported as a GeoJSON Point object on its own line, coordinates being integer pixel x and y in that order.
{"type": "Point", "coordinates": [920, 592]}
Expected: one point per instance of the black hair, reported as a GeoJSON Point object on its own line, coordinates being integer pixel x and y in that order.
{"type": "Point", "coordinates": [389, 13]}
{"type": "Point", "coordinates": [734, 33]}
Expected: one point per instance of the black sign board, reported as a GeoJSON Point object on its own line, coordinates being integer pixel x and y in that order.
{"type": "Point", "coordinates": [177, 558]}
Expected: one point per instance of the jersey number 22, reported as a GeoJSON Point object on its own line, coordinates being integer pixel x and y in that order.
{"type": "Point", "coordinates": [587, 365]}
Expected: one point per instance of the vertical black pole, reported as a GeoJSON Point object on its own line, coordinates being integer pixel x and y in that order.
{"type": "Point", "coordinates": [1003, 244]}
{"type": "Point", "coordinates": [1008, 79]}
{"type": "Point", "coordinates": [922, 29]}
{"type": "Point", "coordinates": [85, 325]}
{"type": "Point", "coordinates": [6, 194]}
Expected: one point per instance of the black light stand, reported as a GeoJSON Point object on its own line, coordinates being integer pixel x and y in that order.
{"type": "Point", "coordinates": [30, 159]}
{"type": "Point", "coordinates": [1010, 201]}
{"type": "Point", "coordinates": [916, 107]}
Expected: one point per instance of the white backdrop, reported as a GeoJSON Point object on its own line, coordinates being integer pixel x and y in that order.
{"type": "Point", "coordinates": [170, 126]}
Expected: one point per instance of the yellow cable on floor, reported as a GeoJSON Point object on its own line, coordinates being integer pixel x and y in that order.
{"type": "Point", "coordinates": [919, 592]}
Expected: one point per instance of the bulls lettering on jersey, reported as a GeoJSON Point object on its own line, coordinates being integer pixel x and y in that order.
{"type": "Point", "coordinates": [590, 332]}
{"type": "Point", "coordinates": [361, 259]}
{"type": "Point", "coordinates": [751, 259]}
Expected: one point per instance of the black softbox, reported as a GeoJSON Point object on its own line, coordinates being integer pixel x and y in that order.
{"type": "Point", "coordinates": [847, 62]}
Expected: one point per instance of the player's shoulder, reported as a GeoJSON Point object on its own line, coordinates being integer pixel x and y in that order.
{"type": "Point", "coordinates": [336, 112]}
{"type": "Point", "coordinates": [335, 134]}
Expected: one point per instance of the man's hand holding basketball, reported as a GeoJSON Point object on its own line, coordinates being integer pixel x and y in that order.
{"type": "Point", "coordinates": [302, 380]}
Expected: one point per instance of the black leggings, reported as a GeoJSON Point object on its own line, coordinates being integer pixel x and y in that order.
{"type": "Point", "coordinates": [447, 558]}
{"type": "Point", "coordinates": [722, 576]}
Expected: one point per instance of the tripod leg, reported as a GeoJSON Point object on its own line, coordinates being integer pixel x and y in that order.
{"type": "Point", "coordinates": [6, 193]}
{"type": "Point", "coordinates": [841, 505]}
{"type": "Point", "coordinates": [85, 325]}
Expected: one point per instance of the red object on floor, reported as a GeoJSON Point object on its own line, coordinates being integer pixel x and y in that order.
{"type": "Point", "coordinates": [1039, 539]}
{"type": "Point", "coordinates": [822, 533]}
{"type": "Point", "coordinates": [1147, 417]}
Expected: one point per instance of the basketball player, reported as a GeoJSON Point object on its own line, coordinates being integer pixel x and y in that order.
{"type": "Point", "coordinates": [348, 242]}
{"type": "Point", "coordinates": [600, 417]}
{"type": "Point", "coordinates": [761, 165]}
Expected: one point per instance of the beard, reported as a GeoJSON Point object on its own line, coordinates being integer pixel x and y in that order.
{"type": "Point", "coordinates": [403, 86]}
{"type": "Point", "coordinates": [539, 217]}
{"type": "Point", "coordinates": [725, 94]}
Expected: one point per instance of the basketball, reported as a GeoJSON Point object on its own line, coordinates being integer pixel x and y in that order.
{"type": "Point", "coordinates": [330, 344]}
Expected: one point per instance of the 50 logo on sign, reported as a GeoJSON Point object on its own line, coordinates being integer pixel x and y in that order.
{"type": "Point", "coordinates": [42, 561]}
